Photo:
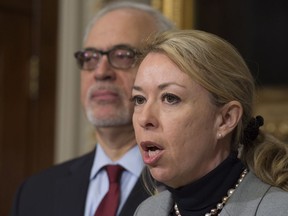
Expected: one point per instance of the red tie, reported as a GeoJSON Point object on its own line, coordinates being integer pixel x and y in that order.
{"type": "Point", "coordinates": [110, 202]}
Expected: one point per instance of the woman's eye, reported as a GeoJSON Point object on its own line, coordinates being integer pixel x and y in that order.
{"type": "Point", "coordinates": [170, 98]}
{"type": "Point", "coordinates": [138, 100]}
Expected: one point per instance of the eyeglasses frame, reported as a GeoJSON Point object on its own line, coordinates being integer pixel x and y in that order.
{"type": "Point", "coordinates": [102, 53]}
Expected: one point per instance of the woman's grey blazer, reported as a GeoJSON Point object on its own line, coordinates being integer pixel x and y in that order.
{"type": "Point", "coordinates": [252, 198]}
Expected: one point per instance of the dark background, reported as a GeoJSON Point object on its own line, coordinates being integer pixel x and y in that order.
{"type": "Point", "coordinates": [259, 30]}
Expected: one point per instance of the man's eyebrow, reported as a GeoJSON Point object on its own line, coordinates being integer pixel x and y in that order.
{"type": "Point", "coordinates": [111, 47]}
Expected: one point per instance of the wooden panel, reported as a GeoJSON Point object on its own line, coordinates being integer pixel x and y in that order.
{"type": "Point", "coordinates": [28, 43]}
{"type": "Point", "coordinates": [15, 53]}
{"type": "Point", "coordinates": [23, 6]}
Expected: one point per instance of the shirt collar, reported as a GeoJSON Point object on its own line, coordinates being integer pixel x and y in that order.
{"type": "Point", "coordinates": [131, 161]}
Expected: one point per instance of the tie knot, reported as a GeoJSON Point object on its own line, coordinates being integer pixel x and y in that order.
{"type": "Point", "coordinates": [114, 172]}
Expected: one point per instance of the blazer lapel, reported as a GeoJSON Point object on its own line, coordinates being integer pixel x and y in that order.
{"type": "Point", "coordinates": [71, 190]}
{"type": "Point", "coordinates": [246, 197]}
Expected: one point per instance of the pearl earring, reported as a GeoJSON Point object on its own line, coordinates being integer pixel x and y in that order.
{"type": "Point", "coordinates": [219, 135]}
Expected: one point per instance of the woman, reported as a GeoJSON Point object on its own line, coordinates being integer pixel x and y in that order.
{"type": "Point", "coordinates": [193, 98]}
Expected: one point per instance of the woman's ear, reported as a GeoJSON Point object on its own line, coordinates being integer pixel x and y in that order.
{"type": "Point", "coordinates": [230, 115]}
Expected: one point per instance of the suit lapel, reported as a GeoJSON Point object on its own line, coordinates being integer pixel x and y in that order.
{"type": "Point", "coordinates": [71, 190]}
{"type": "Point", "coordinates": [137, 195]}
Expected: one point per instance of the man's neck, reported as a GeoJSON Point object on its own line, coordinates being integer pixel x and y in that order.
{"type": "Point", "coordinates": [116, 141]}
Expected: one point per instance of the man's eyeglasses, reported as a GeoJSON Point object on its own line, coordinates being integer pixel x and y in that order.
{"type": "Point", "coordinates": [119, 57]}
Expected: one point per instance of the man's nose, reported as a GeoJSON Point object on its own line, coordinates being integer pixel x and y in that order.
{"type": "Point", "coordinates": [103, 70]}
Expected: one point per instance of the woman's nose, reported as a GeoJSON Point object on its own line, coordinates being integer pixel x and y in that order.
{"type": "Point", "coordinates": [148, 117]}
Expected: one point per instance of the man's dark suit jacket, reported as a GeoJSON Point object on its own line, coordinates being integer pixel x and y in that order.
{"type": "Point", "coordinates": [61, 191]}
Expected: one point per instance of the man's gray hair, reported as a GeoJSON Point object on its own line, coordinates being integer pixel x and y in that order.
{"type": "Point", "coordinates": [161, 21]}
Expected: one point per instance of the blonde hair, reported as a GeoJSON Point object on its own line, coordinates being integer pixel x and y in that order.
{"type": "Point", "coordinates": [218, 67]}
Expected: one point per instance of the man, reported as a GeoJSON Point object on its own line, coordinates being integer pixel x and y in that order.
{"type": "Point", "coordinates": [77, 187]}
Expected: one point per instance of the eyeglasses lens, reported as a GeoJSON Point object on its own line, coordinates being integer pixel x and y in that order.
{"type": "Point", "coordinates": [118, 57]}
{"type": "Point", "coordinates": [122, 58]}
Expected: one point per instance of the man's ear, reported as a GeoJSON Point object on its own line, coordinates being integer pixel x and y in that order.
{"type": "Point", "coordinates": [230, 115]}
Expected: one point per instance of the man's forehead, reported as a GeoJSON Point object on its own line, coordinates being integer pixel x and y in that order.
{"type": "Point", "coordinates": [119, 27]}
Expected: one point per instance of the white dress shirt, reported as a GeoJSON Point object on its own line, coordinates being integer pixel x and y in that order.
{"type": "Point", "coordinates": [99, 183]}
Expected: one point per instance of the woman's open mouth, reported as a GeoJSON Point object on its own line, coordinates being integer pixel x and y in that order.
{"type": "Point", "coordinates": [151, 152]}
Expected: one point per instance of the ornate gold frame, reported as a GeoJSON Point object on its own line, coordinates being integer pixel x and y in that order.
{"type": "Point", "coordinates": [181, 12]}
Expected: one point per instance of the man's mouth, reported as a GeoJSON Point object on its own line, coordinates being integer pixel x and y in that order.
{"type": "Point", "coordinates": [104, 95]}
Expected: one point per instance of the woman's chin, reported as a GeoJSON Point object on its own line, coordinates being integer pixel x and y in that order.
{"type": "Point", "coordinates": [160, 175]}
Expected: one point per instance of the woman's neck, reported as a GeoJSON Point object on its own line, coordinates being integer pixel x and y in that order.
{"type": "Point", "coordinates": [201, 196]}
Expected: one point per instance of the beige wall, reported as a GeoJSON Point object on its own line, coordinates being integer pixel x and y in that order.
{"type": "Point", "coordinates": [73, 133]}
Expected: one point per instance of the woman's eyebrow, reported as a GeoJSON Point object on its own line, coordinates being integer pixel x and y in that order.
{"type": "Point", "coordinates": [161, 86]}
